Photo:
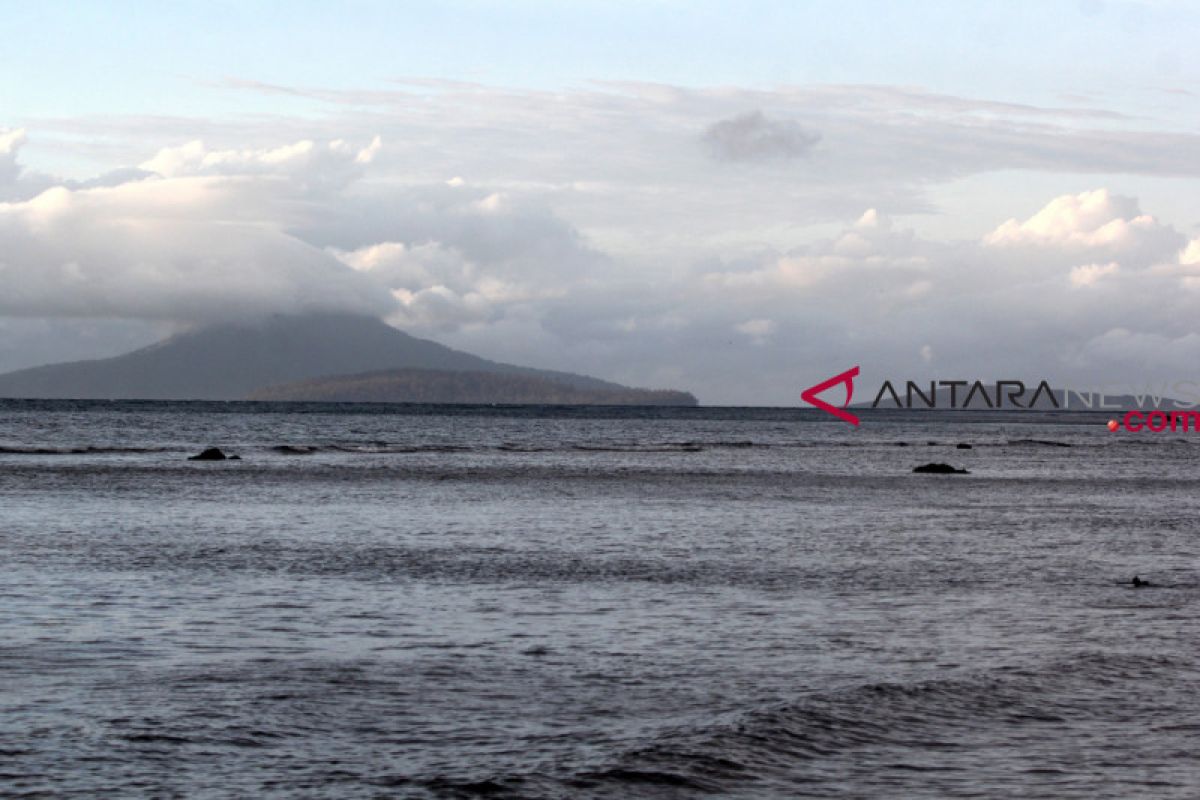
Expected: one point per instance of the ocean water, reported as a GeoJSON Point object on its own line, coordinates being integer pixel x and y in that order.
{"type": "Point", "coordinates": [406, 601]}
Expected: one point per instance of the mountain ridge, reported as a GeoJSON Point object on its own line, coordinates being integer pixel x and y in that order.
{"type": "Point", "coordinates": [231, 361]}
{"type": "Point", "coordinates": [464, 386]}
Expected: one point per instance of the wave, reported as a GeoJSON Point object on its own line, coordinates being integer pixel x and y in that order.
{"type": "Point", "coordinates": [689, 446]}
{"type": "Point", "coordinates": [383, 448]}
{"type": "Point", "coordinates": [885, 732]}
{"type": "Point", "coordinates": [296, 449]}
{"type": "Point", "coordinates": [79, 450]}
{"type": "Point", "coordinates": [980, 734]}
{"type": "Point", "coordinates": [374, 448]}
{"type": "Point", "coordinates": [1037, 443]}
{"type": "Point", "coordinates": [369, 448]}
{"type": "Point", "coordinates": [663, 447]}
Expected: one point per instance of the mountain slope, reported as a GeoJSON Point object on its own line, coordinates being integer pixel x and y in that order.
{"type": "Point", "coordinates": [229, 362]}
{"type": "Point", "coordinates": [441, 386]}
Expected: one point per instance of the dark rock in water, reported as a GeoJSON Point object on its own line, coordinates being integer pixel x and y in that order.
{"type": "Point", "coordinates": [211, 454]}
{"type": "Point", "coordinates": [962, 446]}
{"type": "Point", "coordinates": [939, 469]}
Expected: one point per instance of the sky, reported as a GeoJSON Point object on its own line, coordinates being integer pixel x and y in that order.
{"type": "Point", "coordinates": [735, 199]}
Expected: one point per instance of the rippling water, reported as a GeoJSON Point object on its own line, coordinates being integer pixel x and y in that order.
{"type": "Point", "coordinates": [460, 602]}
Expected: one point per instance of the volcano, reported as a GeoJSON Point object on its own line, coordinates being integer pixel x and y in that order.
{"type": "Point", "coordinates": [233, 361]}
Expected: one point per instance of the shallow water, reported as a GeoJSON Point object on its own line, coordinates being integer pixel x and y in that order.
{"type": "Point", "coordinates": [458, 602]}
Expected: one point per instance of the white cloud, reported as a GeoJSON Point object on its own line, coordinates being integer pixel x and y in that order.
{"type": "Point", "coordinates": [1086, 220]}
{"type": "Point", "coordinates": [759, 330]}
{"type": "Point", "coordinates": [400, 266]}
{"type": "Point", "coordinates": [312, 166]}
{"type": "Point", "coordinates": [10, 143]}
{"type": "Point", "coordinates": [1089, 274]}
{"type": "Point", "coordinates": [871, 218]}
{"type": "Point", "coordinates": [439, 309]}
{"type": "Point", "coordinates": [176, 248]}
{"type": "Point", "coordinates": [437, 288]}
{"type": "Point", "coordinates": [1191, 253]}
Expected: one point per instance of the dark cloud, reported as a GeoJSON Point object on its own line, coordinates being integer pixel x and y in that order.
{"type": "Point", "coordinates": [753, 137]}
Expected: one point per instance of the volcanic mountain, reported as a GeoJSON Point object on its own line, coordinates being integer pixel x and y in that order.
{"type": "Point", "coordinates": [233, 361]}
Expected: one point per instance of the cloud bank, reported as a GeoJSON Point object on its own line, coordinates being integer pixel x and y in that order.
{"type": "Point", "coordinates": [178, 246]}
{"type": "Point", "coordinates": [649, 234]}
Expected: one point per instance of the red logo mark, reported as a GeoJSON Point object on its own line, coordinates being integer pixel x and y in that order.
{"type": "Point", "coordinates": [809, 395]}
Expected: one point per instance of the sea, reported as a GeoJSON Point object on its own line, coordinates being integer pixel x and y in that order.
{"type": "Point", "coordinates": [413, 601]}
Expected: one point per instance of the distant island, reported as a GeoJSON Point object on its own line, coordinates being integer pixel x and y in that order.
{"type": "Point", "coordinates": [441, 386]}
{"type": "Point", "coordinates": [324, 356]}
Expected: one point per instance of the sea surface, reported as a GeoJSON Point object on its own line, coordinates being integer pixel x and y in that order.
{"type": "Point", "coordinates": [429, 602]}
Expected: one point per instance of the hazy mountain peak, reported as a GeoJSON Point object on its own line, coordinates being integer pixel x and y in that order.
{"type": "Point", "coordinates": [232, 360]}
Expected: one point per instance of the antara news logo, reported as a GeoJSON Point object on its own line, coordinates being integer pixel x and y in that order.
{"type": "Point", "coordinates": [809, 395]}
{"type": "Point", "coordinates": [1014, 395]}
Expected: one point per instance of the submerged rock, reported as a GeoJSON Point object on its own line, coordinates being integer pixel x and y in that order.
{"type": "Point", "coordinates": [210, 454]}
{"type": "Point", "coordinates": [940, 469]}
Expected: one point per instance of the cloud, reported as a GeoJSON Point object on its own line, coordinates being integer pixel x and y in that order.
{"type": "Point", "coordinates": [1191, 253]}
{"type": "Point", "coordinates": [626, 163]}
{"type": "Point", "coordinates": [759, 330]}
{"type": "Point", "coordinates": [439, 289]}
{"type": "Point", "coordinates": [198, 234]}
{"type": "Point", "coordinates": [1088, 274]}
{"type": "Point", "coordinates": [490, 271]}
{"type": "Point", "coordinates": [1121, 351]}
{"type": "Point", "coordinates": [312, 167]}
{"type": "Point", "coordinates": [186, 247]}
{"type": "Point", "coordinates": [76, 254]}
{"type": "Point", "coordinates": [435, 286]}
{"type": "Point", "coordinates": [881, 296]}
{"type": "Point", "coordinates": [10, 144]}
{"type": "Point", "coordinates": [470, 232]}
{"type": "Point", "coordinates": [1086, 220]}
{"type": "Point", "coordinates": [411, 267]}
{"type": "Point", "coordinates": [588, 229]}
{"type": "Point", "coordinates": [752, 137]}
